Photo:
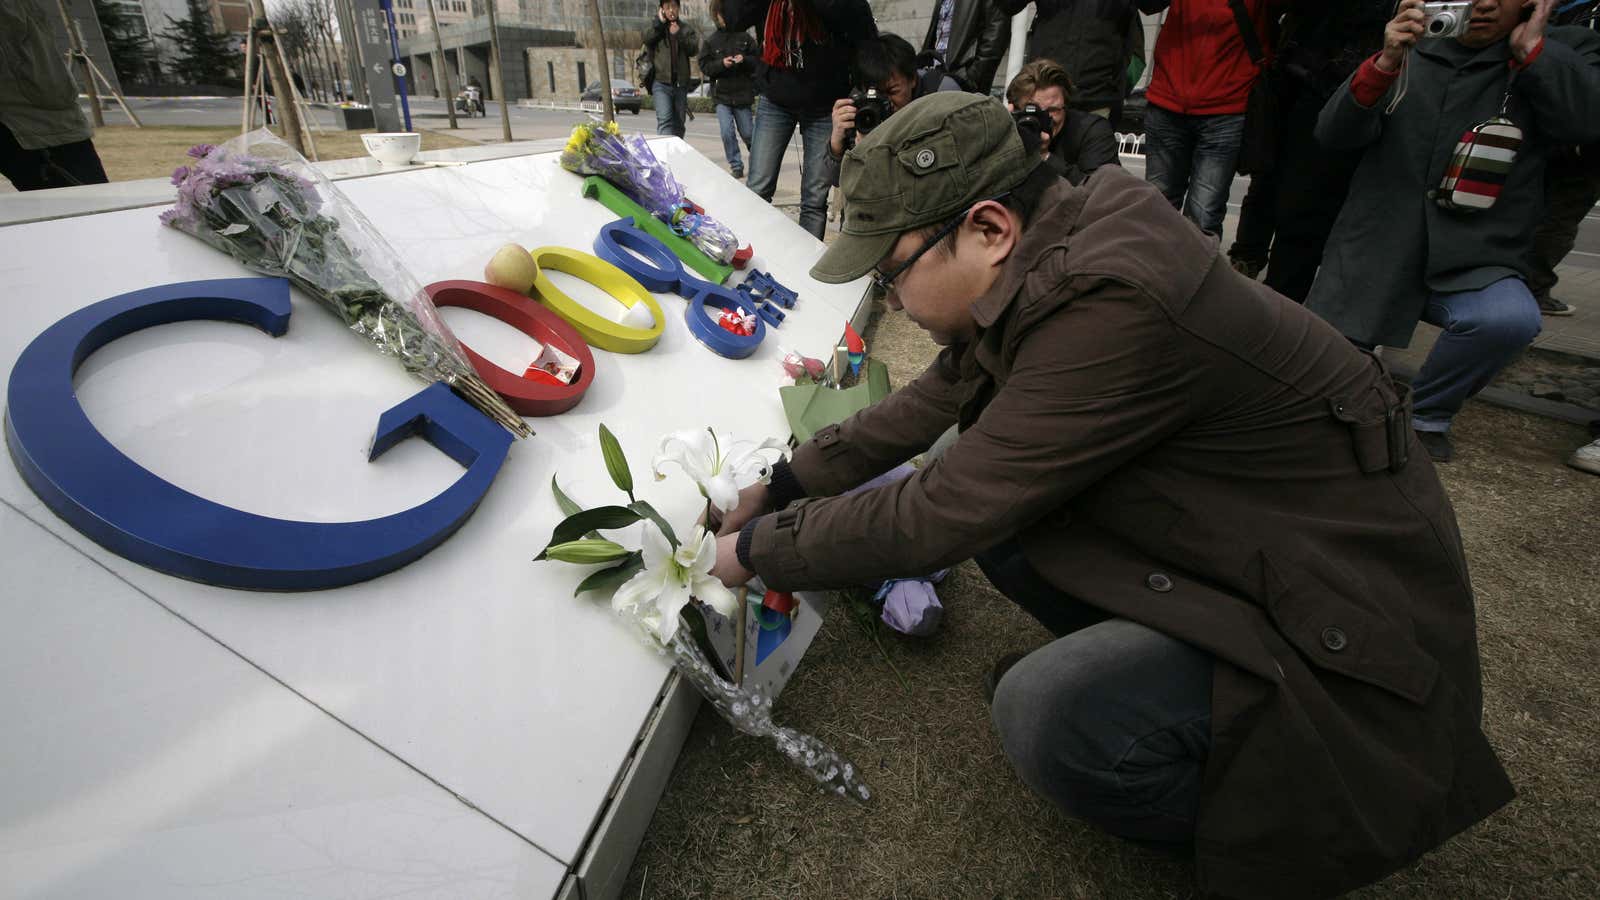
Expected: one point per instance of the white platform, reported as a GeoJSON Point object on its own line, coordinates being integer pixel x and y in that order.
{"type": "Point", "coordinates": [452, 729]}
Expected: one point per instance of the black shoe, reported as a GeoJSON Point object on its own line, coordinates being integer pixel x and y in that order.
{"type": "Point", "coordinates": [1001, 667]}
{"type": "Point", "coordinates": [1437, 443]}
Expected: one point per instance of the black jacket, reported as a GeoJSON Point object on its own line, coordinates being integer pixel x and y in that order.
{"type": "Point", "coordinates": [823, 72]}
{"type": "Point", "coordinates": [734, 86]}
{"type": "Point", "coordinates": [979, 35]}
{"type": "Point", "coordinates": [1323, 42]}
{"type": "Point", "coordinates": [1087, 37]}
{"type": "Point", "coordinates": [1086, 143]}
{"type": "Point", "coordinates": [672, 52]}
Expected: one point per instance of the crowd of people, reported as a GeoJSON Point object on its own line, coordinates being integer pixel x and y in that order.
{"type": "Point", "coordinates": [1207, 486]}
{"type": "Point", "coordinates": [1333, 109]}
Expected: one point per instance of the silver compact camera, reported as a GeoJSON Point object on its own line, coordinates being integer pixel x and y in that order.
{"type": "Point", "coordinates": [1443, 20]}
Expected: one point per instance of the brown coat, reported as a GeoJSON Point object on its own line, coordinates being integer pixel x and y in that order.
{"type": "Point", "coordinates": [1131, 406]}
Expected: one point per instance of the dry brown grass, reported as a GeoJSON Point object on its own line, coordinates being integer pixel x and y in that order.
{"type": "Point", "coordinates": [154, 151]}
{"type": "Point", "coordinates": [951, 820]}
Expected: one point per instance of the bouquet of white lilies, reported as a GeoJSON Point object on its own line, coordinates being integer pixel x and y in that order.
{"type": "Point", "coordinates": [667, 583]}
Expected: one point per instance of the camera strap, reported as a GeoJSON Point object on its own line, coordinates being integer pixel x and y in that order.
{"type": "Point", "coordinates": [1247, 31]}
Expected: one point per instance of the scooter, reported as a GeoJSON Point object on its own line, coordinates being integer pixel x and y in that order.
{"type": "Point", "coordinates": [470, 101]}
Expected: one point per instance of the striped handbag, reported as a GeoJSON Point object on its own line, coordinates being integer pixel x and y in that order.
{"type": "Point", "coordinates": [1482, 160]}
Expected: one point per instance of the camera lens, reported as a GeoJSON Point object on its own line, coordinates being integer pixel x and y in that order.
{"type": "Point", "coordinates": [1443, 23]}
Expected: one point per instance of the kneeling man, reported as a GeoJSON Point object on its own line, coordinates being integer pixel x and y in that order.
{"type": "Point", "coordinates": [1265, 639]}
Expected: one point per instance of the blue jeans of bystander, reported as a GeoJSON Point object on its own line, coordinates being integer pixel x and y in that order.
{"type": "Point", "coordinates": [671, 105]}
{"type": "Point", "coordinates": [774, 126]}
{"type": "Point", "coordinates": [1483, 331]}
{"type": "Point", "coordinates": [736, 122]}
{"type": "Point", "coordinates": [1191, 160]}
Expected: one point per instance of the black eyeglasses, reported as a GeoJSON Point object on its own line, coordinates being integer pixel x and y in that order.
{"type": "Point", "coordinates": [884, 282]}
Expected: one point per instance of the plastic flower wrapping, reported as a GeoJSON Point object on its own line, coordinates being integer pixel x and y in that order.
{"type": "Point", "coordinates": [628, 163]}
{"type": "Point", "coordinates": [664, 590]}
{"type": "Point", "coordinates": [257, 200]}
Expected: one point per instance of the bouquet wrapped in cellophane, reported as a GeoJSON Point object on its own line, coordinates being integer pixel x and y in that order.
{"type": "Point", "coordinates": [257, 200]}
{"type": "Point", "coordinates": [628, 163]}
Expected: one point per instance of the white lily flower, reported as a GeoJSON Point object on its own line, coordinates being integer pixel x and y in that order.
{"type": "Point", "coordinates": [721, 467]}
{"type": "Point", "coordinates": [657, 593]}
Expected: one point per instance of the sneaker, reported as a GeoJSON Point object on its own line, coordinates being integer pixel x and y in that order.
{"type": "Point", "coordinates": [1001, 667]}
{"type": "Point", "coordinates": [1586, 458]}
{"type": "Point", "coordinates": [1437, 443]}
{"type": "Point", "coordinates": [1550, 306]}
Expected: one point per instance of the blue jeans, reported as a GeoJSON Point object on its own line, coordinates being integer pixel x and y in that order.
{"type": "Point", "coordinates": [1483, 331]}
{"type": "Point", "coordinates": [729, 117]}
{"type": "Point", "coordinates": [671, 104]}
{"type": "Point", "coordinates": [1191, 160]}
{"type": "Point", "coordinates": [774, 126]}
{"type": "Point", "coordinates": [1112, 720]}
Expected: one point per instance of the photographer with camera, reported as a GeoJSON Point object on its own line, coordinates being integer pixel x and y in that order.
{"type": "Point", "coordinates": [1090, 39]}
{"type": "Point", "coordinates": [1264, 651]}
{"type": "Point", "coordinates": [1073, 143]}
{"type": "Point", "coordinates": [1456, 131]}
{"type": "Point", "coordinates": [807, 47]}
{"type": "Point", "coordinates": [672, 44]}
{"type": "Point", "coordinates": [886, 69]}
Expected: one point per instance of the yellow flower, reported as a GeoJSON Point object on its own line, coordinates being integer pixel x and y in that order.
{"type": "Point", "coordinates": [612, 128]}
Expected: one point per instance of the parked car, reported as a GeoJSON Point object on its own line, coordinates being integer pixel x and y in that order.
{"type": "Point", "coordinates": [624, 96]}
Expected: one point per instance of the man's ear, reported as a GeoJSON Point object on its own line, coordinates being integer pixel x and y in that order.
{"type": "Point", "coordinates": [996, 230]}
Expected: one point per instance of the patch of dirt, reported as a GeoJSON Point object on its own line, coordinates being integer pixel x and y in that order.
{"type": "Point", "coordinates": [952, 820]}
{"type": "Point", "coordinates": [130, 153]}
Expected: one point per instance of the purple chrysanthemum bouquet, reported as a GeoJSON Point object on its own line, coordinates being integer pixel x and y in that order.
{"type": "Point", "coordinates": [257, 200]}
{"type": "Point", "coordinates": [628, 163]}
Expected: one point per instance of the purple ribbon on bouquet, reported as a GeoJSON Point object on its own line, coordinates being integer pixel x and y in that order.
{"type": "Point", "coordinates": [910, 605]}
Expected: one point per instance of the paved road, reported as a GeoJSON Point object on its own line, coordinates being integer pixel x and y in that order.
{"type": "Point", "coordinates": [532, 124]}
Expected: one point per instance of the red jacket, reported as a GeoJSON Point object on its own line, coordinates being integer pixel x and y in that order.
{"type": "Point", "coordinates": [1201, 66]}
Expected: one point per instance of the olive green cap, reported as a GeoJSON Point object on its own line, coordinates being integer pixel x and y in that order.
{"type": "Point", "coordinates": [921, 166]}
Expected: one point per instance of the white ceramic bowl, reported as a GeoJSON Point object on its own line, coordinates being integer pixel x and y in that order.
{"type": "Point", "coordinates": [393, 148]}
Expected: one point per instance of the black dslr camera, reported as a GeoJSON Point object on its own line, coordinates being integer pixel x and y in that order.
{"type": "Point", "coordinates": [871, 109]}
{"type": "Point", "coordinates": [1031, 119]}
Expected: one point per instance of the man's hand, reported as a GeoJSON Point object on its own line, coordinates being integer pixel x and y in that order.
{"type": "Point", "coordinates": [1400, 35]}
{"type": "Point", "coordinates": [727, 568]}
{"type": "Point", "coordinates": [1525, 38]}
{"type": "Point", "coordinates": [753, 501]}
{"type": "Point", "coordinates": [729, 62]}
{"type": "Point", "coordinates": [738, 57]}
{"type": "Point", "coordinates": [844, 121]}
